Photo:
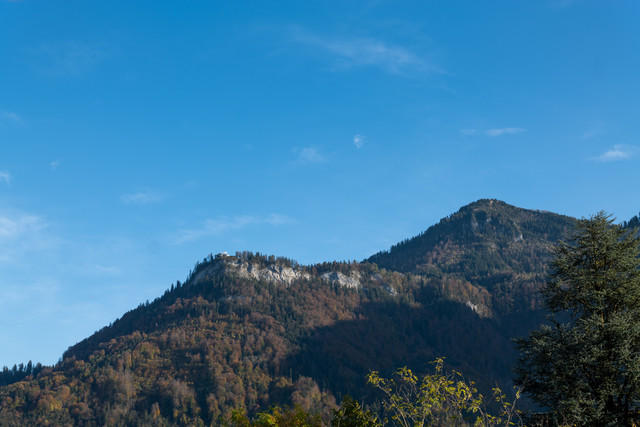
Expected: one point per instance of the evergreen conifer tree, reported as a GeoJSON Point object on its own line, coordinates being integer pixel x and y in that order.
{"type": "Point", "coordinates": [585, 366]}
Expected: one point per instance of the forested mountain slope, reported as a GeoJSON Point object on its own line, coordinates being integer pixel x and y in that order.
{"type": "Point", "coordinates": [229, 340]}
{"type": "Point", "coordinates": [253, 330]}
{"type": "Point", "coordinates": [494, 246]}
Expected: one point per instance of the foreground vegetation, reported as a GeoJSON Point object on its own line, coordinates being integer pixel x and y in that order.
{"type": "Point", "coordinates": [436, 399]}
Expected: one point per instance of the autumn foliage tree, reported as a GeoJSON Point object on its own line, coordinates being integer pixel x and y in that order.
{"type": "Point", "coordinates": [436, 399]}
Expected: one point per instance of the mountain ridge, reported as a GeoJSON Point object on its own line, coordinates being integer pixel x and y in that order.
{"type": "Point", "coordinates": [253, 330]}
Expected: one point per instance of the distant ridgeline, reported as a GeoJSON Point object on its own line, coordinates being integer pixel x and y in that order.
{"type": "Point", "coordinates": [19, 372]}
{"type": "Point", "coordinates": [252, 330]}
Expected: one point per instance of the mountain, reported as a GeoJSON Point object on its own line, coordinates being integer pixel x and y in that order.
{"type": "Point", "coordinates": [481, 238]}
{"type": "Point", "coordinates": [502, 251]}
{"type": "Point", "coordinates": [251, 330]}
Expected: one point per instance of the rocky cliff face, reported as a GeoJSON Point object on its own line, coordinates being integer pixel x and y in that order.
{"type": "Point", "coordinates": [351, 281]}
{"type": "Point", "coordinates": [272, 272]}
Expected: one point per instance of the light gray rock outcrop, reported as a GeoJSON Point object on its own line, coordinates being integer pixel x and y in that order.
{"type": "Point", "coordinates": [272, 273]}
{"type": "Point", "coordinates": [342, 279]}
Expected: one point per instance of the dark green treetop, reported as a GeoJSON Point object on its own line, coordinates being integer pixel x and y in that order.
{"type": "Point", "coordinates": [585, 366]}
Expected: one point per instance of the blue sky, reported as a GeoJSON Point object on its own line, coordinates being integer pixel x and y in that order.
{"type": "Point", "coordinates": [138, 137]}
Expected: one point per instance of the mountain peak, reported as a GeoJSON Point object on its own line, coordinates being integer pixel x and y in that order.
{"type": "Point", "coordinates": [488, 244]}
{"type": "Point", "coordinates": [486, 225]}
{"type": "Point", "coordinates": [491, 205]}
{"type": "Point", "coordinates": [485, 203]}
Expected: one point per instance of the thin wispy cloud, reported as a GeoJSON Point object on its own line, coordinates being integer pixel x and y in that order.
{"type": "Point", "coordinates": [503, 131]}
{"type": "Point", "coordinates": [5, 177]}
{"type": "Point", "coordinates": [30, 290]}
{"type": "Point", "coordinates": [10, 116]}
{"type": "Point", "coordinates": [214, 227]}
{"type": "Point", "coordinates": [358, 141]}
{"type": "Point", "coordinates": [54, 165]}
{"type": "Point", "coordinates": [309, 155]}
{"type": "Point", "coordinates": [277, 219]}
{"type": "Point", "coordinates": [617, 153]}
{"type": "Point", "coordinates": [22, 233]}
{"type": "Point", "coordinates": [358, 52]}
{"type": "Point", "coordinates": [18, 225]}
{"type": "Point", "coordinates": [141, 198]}
{"type": "Point", "coordinates": [591, 133]}
{"type": "Point", "coordinates": [70, 58]}
{"type": "Point", "coordinates": [492, 132]}
{"type": "Point", "coordinates": [103, 269]}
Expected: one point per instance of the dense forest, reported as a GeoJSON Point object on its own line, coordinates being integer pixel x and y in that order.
{"type": "Point", "coordinates": [251, 330]}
